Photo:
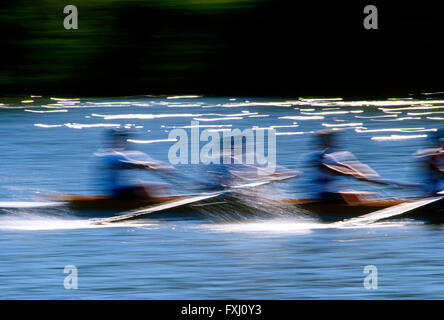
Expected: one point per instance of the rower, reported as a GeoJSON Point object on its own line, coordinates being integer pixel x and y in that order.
{"type": "Point", "coordinates": [433, 164]}
{"type": "Point", "coordinates": [220, 174]}
{"type": "Point", "coordinates": [117, 157]}
{"type": "Point", "coordinates": [229, 167]}
{"type": "Point", "coordinates": [332, 164]}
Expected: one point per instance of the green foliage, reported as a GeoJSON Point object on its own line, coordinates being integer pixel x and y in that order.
{"type": "Point", "coordinates": [121, 46]}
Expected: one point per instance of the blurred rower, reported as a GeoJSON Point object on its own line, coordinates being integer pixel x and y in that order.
{"type": "Point", "coordinates": [433, 164]}
{"type": "Point", "coordinates": [231, 166]}
{"type": "Point", "coordinates": [117, 157]}
{"type": "Point", "coordinates": [330, 164]}
{"type": "Point", "coordinates": [224, 170]}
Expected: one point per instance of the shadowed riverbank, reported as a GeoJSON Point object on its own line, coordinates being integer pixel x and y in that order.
{"type": "Point", "coordinates": [224, 47]}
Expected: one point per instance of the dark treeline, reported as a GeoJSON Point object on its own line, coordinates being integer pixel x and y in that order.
{"type": "Point", "coordinates": [219, 47]}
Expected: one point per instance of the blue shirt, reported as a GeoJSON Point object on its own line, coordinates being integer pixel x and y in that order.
{"type": "Point", "coordinates": [116, 164]}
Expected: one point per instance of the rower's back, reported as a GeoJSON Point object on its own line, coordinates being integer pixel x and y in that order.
{"type": "Point", "coordinates": [115, 161]}
{"type": "Point", "coordinates": [326, 180]}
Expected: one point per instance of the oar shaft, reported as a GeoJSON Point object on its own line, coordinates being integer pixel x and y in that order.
{"type": "Point", "coordinates": [392, 183]}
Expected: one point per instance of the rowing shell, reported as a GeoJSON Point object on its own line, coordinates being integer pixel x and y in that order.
{"type": "Point", "coordinates": [190, 200]}
{"type": "Point", "coordinates": [312, 206]}
{"type": "Point", "coordinates": [105, 206]}
{"type": "Point", "coordinates": [188, 205]}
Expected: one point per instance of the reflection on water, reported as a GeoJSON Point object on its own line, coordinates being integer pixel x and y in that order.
{"type": "Point", "coordinates": [47, 148]}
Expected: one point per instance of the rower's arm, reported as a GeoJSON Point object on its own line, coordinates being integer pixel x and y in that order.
{"type": "Point", "coordinates": [345, 163]}
{"type": "Point", "coordinates": [144, 164]}
{"type": "Point", "coordinates": [152, 165]}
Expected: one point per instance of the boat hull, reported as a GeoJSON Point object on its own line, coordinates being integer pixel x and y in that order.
{"type": "Point", "coordinates": [107, 206]}
{"type": "Point", "coordinates": [339, 211]}
{"type": "Point", "coordinates": [433, 212]}
{"type": "Point", "coordinates": [107, 203]}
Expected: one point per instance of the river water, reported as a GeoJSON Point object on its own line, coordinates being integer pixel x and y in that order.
{"type": "Point", "coordinates": [48, 147]}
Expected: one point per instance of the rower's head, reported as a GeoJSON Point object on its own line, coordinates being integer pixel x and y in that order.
{"type": "Point", "coordinates": [328, 138]}
{"type": "Point", "coordinates": [117, 138]}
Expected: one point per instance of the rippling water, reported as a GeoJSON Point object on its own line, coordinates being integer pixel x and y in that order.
{"type": "Point", "coordinates": [47, 147]}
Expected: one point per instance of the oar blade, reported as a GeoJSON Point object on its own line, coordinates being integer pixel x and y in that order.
{"type": "Point", "coordinates": [389, 212]}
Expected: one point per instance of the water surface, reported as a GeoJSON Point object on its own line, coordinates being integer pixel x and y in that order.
{"type": "Point", "coordinates": [47, 147]}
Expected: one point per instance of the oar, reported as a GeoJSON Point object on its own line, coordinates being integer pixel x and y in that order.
{"type": "Point", "coordinates": [391, 183]}
{"type": "Point", "coordinates": [189, 200]}
{"type": "Point", "coordinates": [388, 212]}
{"type": "Point", "coordinates": [155, 208]}
{"type": "Point", "coordinates": [152, 166]}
